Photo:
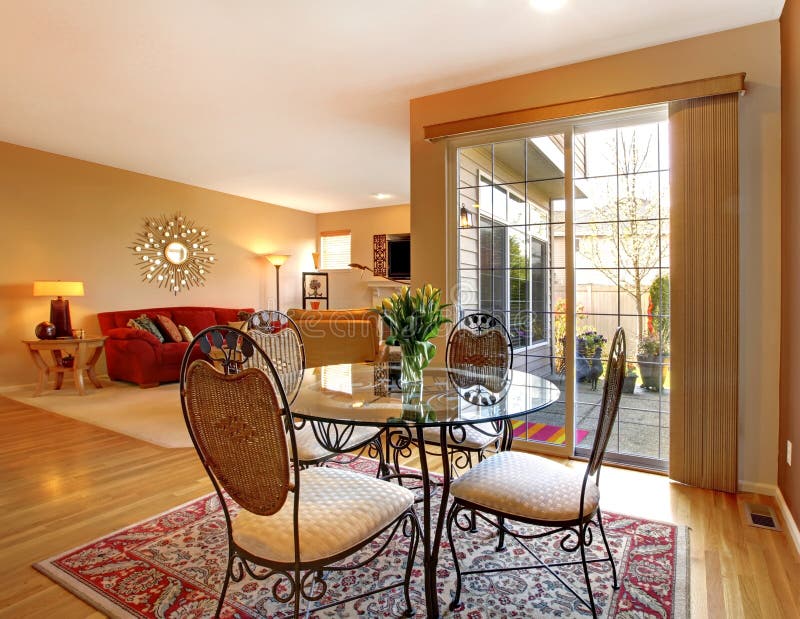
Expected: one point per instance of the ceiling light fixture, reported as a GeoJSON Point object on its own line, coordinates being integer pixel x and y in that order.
{"type": "Point", "coordinates": [381, 196]}
{"type": "Point", "coordinates": [547, 6]}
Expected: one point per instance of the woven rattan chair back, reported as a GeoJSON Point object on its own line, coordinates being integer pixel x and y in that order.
{"type": "Point", "coordinates": [236, 419]}
{"type": "Point", "coordinates": [268, 321]}
{"type": "Point", "coordinates": [612, 392]}
{"type": "Point", "coordinates": [479, 350]}
{"type": "Point", "coordinates": [280, 338]}
{"type": "Point", "coordinates": [285, 351]}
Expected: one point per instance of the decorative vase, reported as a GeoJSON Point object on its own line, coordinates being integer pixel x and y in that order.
{"type": "Point", "coordinates": [415, 408]}
{"type": "Point", "coordinates": [412, 362]}
{"type": "Point", "coordinates": [45, 331]}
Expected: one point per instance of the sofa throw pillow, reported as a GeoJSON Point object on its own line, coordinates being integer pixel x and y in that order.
{"type": "Point", "coordinates": [196, 319]}
{"type": "Point", "coordinates": [185, 333]}
{"type": "Point", "coordinates": [144, 322]}
{"type": "Point", "coordinates": [169, 328]}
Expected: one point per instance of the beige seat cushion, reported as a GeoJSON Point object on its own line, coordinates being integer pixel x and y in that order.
{"type": "Point", "coordinates": [529, 486]}
{"type": "Point", "coordinates": [339, 509]}
{"type": "Point", "coordinates": [475, 437]}
{"type": "Point", "coordinates": [309, 449]}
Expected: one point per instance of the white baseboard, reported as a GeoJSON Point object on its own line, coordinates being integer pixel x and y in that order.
{"type": "Point", "coordinates": [757, 488]}
{"type": "Point", "coordinates": [788, 520]}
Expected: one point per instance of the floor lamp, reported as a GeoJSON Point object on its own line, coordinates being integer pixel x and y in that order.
{"type": "Point", "coordinates": [278, 260]}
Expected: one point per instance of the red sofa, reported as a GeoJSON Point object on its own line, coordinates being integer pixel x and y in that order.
{"type": "Point", "coordinates": [138, 357]}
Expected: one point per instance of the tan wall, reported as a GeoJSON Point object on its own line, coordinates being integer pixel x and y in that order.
{"type": "Point", "coordinates": [789, 477]}
{"type": "Point", "coordinates": [755, 50]}
{"type": "Point", "coordinates": [347, 288]}
{"type": "Point", "coordinates": [72, 220]}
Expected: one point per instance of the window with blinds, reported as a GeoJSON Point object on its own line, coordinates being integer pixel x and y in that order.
{"type": "Point", "coordinates": [335, 250]}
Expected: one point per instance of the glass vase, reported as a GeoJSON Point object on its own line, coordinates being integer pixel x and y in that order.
{"type": "Point", "coordinates": [412, 362]}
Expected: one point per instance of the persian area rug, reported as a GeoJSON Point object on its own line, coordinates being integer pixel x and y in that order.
{"type": "Point", "coordinates": [545, 433]}
{"type": "Point", "coordinates": [172, 566]}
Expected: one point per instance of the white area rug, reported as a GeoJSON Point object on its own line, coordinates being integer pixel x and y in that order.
{"type": "Point", "coordinates": [153, 415]}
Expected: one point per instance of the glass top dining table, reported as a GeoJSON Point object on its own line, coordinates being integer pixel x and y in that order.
{"type": "Point", "coordinates": [370, 394]}
{"type": "Point", "coordinates": [437, 410]}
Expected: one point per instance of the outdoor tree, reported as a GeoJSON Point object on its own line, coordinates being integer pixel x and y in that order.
{"type": "Point", "coordinates": [658, 313]}
{"type": "Point", "coordinates": [627, 244]}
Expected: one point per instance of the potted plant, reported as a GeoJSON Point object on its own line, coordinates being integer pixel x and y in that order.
{"type": "Point", "coordinates": [413, 320]}
{"type": "Point", "coordinates": [588, 363]}
{"type": "Point", "coordinates": [652, 356]}
{"type": "Point", "coordinates": [631, 376]}
{"type": "Point", "coordinates": [590, 341]}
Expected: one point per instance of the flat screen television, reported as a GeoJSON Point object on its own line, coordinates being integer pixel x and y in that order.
{"type": "Point", "coordinates": [398, 257]}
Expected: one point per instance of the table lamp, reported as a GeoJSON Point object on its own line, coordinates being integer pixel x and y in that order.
{"type": "Point", "coordinates": [59, 307]}
{"type": "Point", "coordinates": [278, 260]}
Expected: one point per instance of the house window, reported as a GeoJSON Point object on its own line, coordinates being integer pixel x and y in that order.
{"type": "Point", "coordinates": [511, 263]}
{"type": "Point", "coordinates": [334, 250]}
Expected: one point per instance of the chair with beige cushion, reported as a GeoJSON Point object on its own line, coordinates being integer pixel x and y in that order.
{"type": "Point", "coordinates": [284, 523]}
{"type": "Point", "coordinates": [479, 356]}
{"type": "Point", "coordinates": [279, 337]}
{"type": "Point", "coordinates": [529, 489]}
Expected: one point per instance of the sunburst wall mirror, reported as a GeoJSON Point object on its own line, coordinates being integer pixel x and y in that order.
{"type": "Point", "coordinates": [172, 252]}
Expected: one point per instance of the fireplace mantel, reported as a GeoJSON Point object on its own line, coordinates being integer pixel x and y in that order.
{"type": "Point", "coordinates": [382, 288]}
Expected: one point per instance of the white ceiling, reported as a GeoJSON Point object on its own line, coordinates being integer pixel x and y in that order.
{"type": "Point", "coordinates": [302, 103]}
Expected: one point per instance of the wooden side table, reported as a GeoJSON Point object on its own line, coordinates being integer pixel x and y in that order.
{"type": "Point", "coordinates": [84, 353]}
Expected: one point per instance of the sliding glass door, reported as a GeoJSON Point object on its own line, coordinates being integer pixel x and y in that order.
{"type": "Point", "coordinates": [511, 256]}
{"type": "Point", "coordinates": [563, 234]}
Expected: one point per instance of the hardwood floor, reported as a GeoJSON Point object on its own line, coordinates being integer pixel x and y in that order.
{"type": "Point", "coordinates": [65, 483]}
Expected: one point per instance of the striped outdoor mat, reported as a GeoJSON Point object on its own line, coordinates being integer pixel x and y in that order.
{"type": "Point", "coordinates": [543, 432]}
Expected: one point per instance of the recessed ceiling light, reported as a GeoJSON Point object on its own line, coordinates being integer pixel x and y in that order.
{"type": "Point", "coordinates": [381, 196]}
{"type": "Point", "coordinates": [547, 6]}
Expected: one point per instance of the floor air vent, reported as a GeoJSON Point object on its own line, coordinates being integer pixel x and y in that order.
{"type": "Point", "coordinates": [762, 516]}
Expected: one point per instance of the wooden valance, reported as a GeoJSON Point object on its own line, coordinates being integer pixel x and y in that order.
{"type": "Point", "coordinates": [705, 87]}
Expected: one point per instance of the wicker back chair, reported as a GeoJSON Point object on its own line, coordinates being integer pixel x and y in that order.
{"type": "Point", "coordinates": [479, 356]}
{"type": "Point", "coordinates": [480, 346]}
{"type": "Point", "coordinates": [530, 489]}
{"type": "Point", "coordinates": [280, 338]}
{"type": "Point", "coordinates": [290, 522]}
{"type": "Point", "coordinates": [278, 335]}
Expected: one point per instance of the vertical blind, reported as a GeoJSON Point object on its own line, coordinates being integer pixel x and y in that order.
{"type": "Point", "coordinates": [705, 291]}
{"type": "Point", "coordinates": [335, 249]}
